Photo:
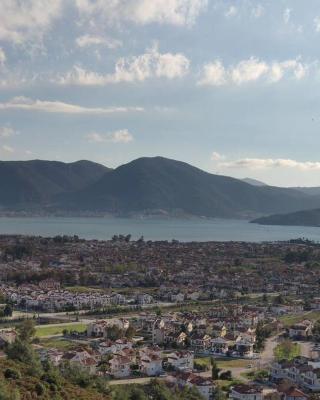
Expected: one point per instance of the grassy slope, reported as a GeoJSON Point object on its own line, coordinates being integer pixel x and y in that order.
{"type": "Point", "coordinates": [26, 386]}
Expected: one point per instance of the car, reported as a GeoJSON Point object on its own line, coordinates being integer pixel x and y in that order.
{"type": "Point", "coordinates": [249, 366]}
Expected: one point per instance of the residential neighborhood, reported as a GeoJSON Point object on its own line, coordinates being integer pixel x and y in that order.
{"type": "Point", "coordinates": [239, 320]}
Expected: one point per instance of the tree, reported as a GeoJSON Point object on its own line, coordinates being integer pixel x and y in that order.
{"type": "Point", "coordinates": [26, 330]}
{"type": "Point", "coordinates": [278, 299]}
{"type": "Point", "coordinates": [262, 332]}
{"type": "Point", "coordinates": [226, 376]}
{"type": "Point", "coordinates": [316, 331]}
{"type": "Point", "coordinates": [130, 332]}
{"type": "Point", "coordinates": [23, 352]}
{"type": "Point", "coordinates": [214, 369]}
{"type": "Point", "coordinates": [287, 350]}
{"type": "Point", "coordinates": [138, 394]}
{"type": "Point", "coordinates": [114, 332]}
{"type": "Point", "coordinates": [7, 311]}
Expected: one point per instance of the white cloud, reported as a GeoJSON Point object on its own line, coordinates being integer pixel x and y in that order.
{"type": "Point", "coordinates": [27, 104]}
{"type": "Point", "coordinates": [261, 163]}
{"type": "Point", "coordinates": [3, 57]}
{"type": "Point", "coordinates": [231, 12]}
{"type": "Point", "coordinates": [90, 40]}
{"type": "Point", "coordinates": [248, 70]}
{"type": "Point", "coordinates": [213, 74]}
{"type": "Point", "coordinates": [316, 22]}
{"type": "Point", "coordinates": [251, 70]}
{"type": "Point", "coordinates": [7, 131]}
{"type": "Point", "coordinates": [286, 15]}
{"type": "Point", "coordinates": [175, 12]}
{"type": "Point", "coordinates": [21, 20]}
{"type": "Point", "coordinates": [151, 64]}
{"type": "Point", "coordinates": [7, 149]}
{"type": "Point", "coordinates": [120, 136]}
{"type": "Point", "coordinates": [215, 156]}
{"type": "Point", "coordinates": [277, 70]}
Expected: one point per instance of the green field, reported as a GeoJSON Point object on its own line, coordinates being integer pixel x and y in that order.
{"type": "Point", "coordinates": [59, 344]}
{"type": "Point", "coordinates": [83, 289]}
{"type": "Point", "coordinates": [288, 320]}
{"type": "Point", "coordinates": [287, 350]}
{"type": "Point", "coordinates": [222, 363]}
{"type": "Point", "coordinates": [48, 330]}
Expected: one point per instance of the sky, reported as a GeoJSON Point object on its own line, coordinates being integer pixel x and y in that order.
{"type": "Point", "coordinates": [232, 87]}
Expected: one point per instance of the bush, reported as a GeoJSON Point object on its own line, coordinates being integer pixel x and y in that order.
{"type": "Point", "coordinates": [10, 373]}
{"type": "Point", "coordinates": [200, 367]}
{"type": "Point", "coordinates": [40, 389]}
{"type": "Point", "coordinates": [226, 376]}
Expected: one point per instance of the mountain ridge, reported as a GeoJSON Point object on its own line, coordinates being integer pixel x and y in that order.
{"type": "Point", "coordinates": [152, 183]}
{"type": "Point", "coordinates": [298, 218]}
{"type": "Point", "coordinates": [145, 185]}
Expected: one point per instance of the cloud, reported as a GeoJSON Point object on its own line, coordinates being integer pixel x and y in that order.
{"type": "Point", "coordinates": [251, 70]}
{"type": "Point", "coordinates": [151, 64]}
{"type": "Point", "coordinates": [7, 131]}
{"type": "Point", "coordinates": [27, 104]}
{"type": "Point", "coordinates": [231, 12]}
{"type": "Point", "coordinates": [248, 70]}
{"type": "Point", "coordinates": [286, 15]}
{"type": "Point", "coordinates": [213, 74]}
{"type": "Point", "coordinates": [316, 22]}
{"type": "Point", "coordinates": [21, 20]}
{"type": "Point", "coordinates": [261, 163]}
{"type": "Point", "coordinates": [7, 149]}
{"type": "Point", "coordinates": [3, 57]}
{"type": "Point", "coordinates": [90, 40]}
{"type": "Point", "coordinates": [174, 12]}
{"type": "Point", "coordinates": [215, 156]}
{"type": "Point", "coordinates": [120, 136]}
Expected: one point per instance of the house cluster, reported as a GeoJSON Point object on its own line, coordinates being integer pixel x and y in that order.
{"type": "Point", "coordinates": [221, 331]}
{"type": "Point", "coordinates": [301, 371]}
{"type": "Point", "coordinates": [51, 298]}
{"type": "Point", "coordinates": [177, 272]}
{"type": "Point", "coordinates": [125, 361]}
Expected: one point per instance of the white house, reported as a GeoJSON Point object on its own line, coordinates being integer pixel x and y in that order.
{"type": "Point", "coordinates": [246, 392]}
{"type": "Point", "coordinates": [181, 360]}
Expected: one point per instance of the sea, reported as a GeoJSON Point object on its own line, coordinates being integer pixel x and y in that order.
{"type": "Point", "coordinates": [185, 230]}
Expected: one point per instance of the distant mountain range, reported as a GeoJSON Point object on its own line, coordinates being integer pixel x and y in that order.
{"type": "Point", "coordinates": [299, 218]}
{"type": "Point", "coordinates": [144, 186]}
{"type": "Point", "coordinates": [253, 182]}
{"type": "Point", "coordinates": [29, 184]}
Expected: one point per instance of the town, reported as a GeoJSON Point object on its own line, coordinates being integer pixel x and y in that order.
{"type": "Point", "coordinates": [228, 319]}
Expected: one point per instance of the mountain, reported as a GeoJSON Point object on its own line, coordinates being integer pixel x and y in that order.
{"type": "Point", "coordinates": [299, 218]}
{"type": "Point", "coordinates": [253, 182]}
{"type": "Point", "coordinates": [312, 191]}
{"type": "Point", "coordinates": [27, 183]}
{"type": "Point", "coordinates": [163, 184]}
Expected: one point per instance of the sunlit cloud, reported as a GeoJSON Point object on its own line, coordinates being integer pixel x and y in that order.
{"type": "Point", "coordinates": [119, 136]}
{"type": "Point", "coordinates": [27, 104]}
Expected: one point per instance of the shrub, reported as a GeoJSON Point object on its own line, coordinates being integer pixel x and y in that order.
{"type": "Point", "coordinates": [226, 376]}
{"type": "Point", "coordinates": [10, 373]}
{"type": "Point", "coordinates": [40, 389]}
